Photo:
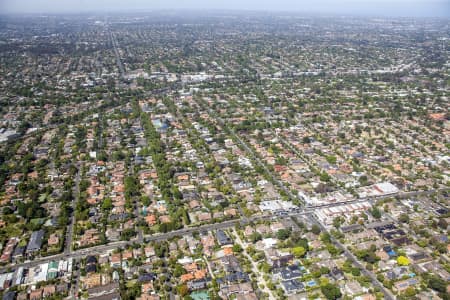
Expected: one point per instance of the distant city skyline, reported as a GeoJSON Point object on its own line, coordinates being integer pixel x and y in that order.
{"type": "Point", "coordinates": [405, 8]}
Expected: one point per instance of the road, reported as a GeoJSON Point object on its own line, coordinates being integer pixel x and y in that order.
{"type": "Point", "coordinates": [310, 164]}
{"type": "Point", "coordinates": [230, 223]}
{"type": "Point", "coordinates": [306, 212]}
{"type": "Point", "coordinates": [136, 200]}
{"type": "Point", "coordinates": [349, 255]}
{"type": "Point", "coordinates": [75, 197]}
{"type": "Point", "coordinates": [115, 45]}
{"type": "Point", "coordinates": [255, 270]}
{"type": "Point", "coordinates": [75, 276]}
{"type": "Point", "coordinates": [190, 230]}
{"type": "Point", "coordinates": [372, 199]}
{"type": "Point", "coordinates": [186, 231]}
{"type": "Point", "coordinates": [250, 152]}
{"type": "Point", "coordinates": [80, 253]}
{"type": "Point", "coordinates": [302, 211]}
{"type": "Point", "coordinates": [309, 210]}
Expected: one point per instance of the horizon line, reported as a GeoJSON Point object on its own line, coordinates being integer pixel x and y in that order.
{"type": "Point", "coordinates": [229, 10]}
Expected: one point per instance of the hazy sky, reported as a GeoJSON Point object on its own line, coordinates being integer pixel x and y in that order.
{"type": "Point", "coordinates": [427, 8]}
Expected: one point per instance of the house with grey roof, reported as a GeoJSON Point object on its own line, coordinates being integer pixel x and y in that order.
{"type": "Point", "coordinates": [35, 243]}
{"type": "Point", "coordinates": [223, 239]}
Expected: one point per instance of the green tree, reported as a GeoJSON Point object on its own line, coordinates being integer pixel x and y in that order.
{"type": "Point", "coordinates": [254, 237]}
{"type": "Point", "coordinates": [107, 204]}
{"type": "Point", "coordinates": [324, 177]}
{"type": "Point", "coordinates": [404, 218]}
{"type": "Point", "coordinates": [298, 252]}
{"type": "Point", "coordinates": [331, 159]}
{"type": "Point", "coordinates": [237, 248]}
{"type": "Point", "coordinates": [410, 292]}
{"type": "Point", "coordinates": [376, 213]}
{"type": "Point", "coordinates": [356, 272]}
{"type": "Point", "coordinates": [403, 261]}
{"type": "Point", "coordinates": [283, 234]}
{"type": "Point", "coordinates": [443, 223]}
{"type": "Point", "coordinates": [330, 291]}
{"type": "Point", "coordinates": [315, 229]}
{"type": "Point", "coordinates": [306, 140]}
{"type": "Point", "coordinates": [183, 290]}
{"type": "Point", "coordinates": [437, 284]}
